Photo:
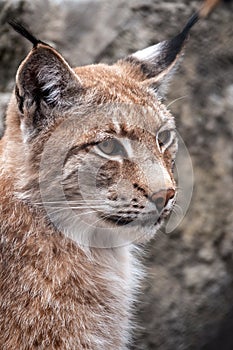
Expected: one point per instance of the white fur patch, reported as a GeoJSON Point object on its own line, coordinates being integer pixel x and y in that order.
{"type": "Point", "coordinates": [148, 54]}
{"type": "Point", "coordinates": [51, 79]}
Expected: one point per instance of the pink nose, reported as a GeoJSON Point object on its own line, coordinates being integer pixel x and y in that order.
{"type": "Point", "coordinates": [161, 198]}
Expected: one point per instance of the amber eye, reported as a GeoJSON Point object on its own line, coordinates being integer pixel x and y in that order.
{"type": "Point", "coordinates": [164, 138]}
{"type": "Point", "coordinates": [111, 147]}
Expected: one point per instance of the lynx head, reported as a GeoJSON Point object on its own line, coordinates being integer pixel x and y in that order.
{"type": "Point", "coordinates": [95, 144]}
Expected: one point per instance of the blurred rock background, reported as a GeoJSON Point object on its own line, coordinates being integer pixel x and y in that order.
{"type": "Point", "coordinates": [187, 299]}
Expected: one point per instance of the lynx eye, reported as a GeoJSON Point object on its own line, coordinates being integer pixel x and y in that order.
{"type": "Point", "coordinates": [111, 147]}
{"type": "Point", "coordinates": [164, 139]}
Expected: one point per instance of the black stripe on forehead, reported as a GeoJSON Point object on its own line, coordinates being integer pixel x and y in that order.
{"type": "Point", "coordinates": [132, 132]}
{"type": "Point", "coordinates": [77, 148]}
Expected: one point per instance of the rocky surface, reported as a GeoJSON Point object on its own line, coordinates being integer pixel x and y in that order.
{"type": "Point", "coordinates": [187, 299]}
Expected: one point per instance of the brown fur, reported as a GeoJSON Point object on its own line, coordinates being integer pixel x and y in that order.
{"type": "Point", "coordinates": [52, 294]}
{"type": "Point", "coordinates": [62, 293]}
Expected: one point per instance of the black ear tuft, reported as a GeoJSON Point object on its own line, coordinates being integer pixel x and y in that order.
{"type": "Point", "coordinates": [192, 20]}
{"type": "Point", "coordinates": [155, 64]}
{"type": "Point", "coordinates": [24, 32]}
{"type": "Point", "coordinates": [45, 84]}
{"type": "Point", "coordinates": [173, 47]}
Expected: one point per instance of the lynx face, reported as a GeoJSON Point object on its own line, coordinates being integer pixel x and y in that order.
{"type": "Point", "coordinates": [116, 178]}
{"type": "Point", "coordinates": [99, 146]}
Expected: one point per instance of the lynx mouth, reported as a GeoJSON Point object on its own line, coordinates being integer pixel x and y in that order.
{"type": "Point", "coordinates": [142, 221]}
{"type": "Point", "coordinates": [119, 220]}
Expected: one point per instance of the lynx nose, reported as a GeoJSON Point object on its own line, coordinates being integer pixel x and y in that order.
{"type": "Point", "coordinates": [161, 198]}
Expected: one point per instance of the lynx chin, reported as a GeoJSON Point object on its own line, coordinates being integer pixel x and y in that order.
{"type": "Point", "coordinates": [86, 172]}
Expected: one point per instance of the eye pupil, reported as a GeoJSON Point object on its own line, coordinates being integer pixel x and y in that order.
{"type": "Point", "coordinates": [111, 147]}
{"type": "Point", "coordinates": [105, 144]}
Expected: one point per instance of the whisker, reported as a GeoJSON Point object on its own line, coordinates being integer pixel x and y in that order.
{"type": "Point", "coordinates": [78, 214]}
{"type": "Point", "coordinates": [101, 218]}
{"type": "Point", "coordinates": [74, 217]}
{"type": "Point", "coordinates": [86, 207]}
{"type": "Point", "coordinates": [177, 212]}
{"type": "Point", "coordinates": [177, 206]}
{"type": "Point", "coordinates": [76, 207]}
{"type": "Point", "coordinates": [73, 202]}
{"type": "Point", "coordinates": [177, 99]}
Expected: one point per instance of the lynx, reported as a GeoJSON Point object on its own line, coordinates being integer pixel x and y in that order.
{"type": "Point", "coordinates": [86, 172]}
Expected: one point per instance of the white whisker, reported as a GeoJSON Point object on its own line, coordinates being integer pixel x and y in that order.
{"type": "Point", "coordinates": [177, 99]}
{"type": "Point", "coordinates": [178, 208]}
{"type": "Point", "coordinates": [101, 218]}
{"type": "Point", "coordinates": [73, 202]}
{"type": "Point", "coordinates": [78, 214]}
{"type": "Point", "coordinates": [75, 207]}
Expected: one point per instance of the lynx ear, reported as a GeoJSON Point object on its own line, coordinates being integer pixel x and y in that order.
{"type": "Point", "coordinates": [155, 64]}
{"type": "Point", "coordinates": [44, 82]}
{"type": "Point", "coordinates": [44, 77]}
